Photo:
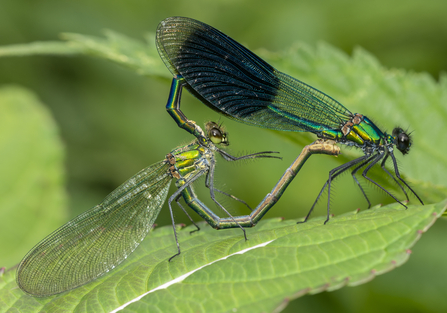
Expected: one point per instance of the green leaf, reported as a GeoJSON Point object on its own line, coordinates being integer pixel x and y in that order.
{"type": "Point", "coordinates": [281, 260]}
{"type": "Point", "coordinates": [140, 57]}
{"type": "Point", "coordinates": [40, 48]}
{"type": "Point", "coordinates": [32, 196]}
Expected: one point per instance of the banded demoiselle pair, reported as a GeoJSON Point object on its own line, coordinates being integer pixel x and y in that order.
{"type": "Point", "coordinates": [235, 82]}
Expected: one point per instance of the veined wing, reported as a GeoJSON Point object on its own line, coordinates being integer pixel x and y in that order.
{"type": "Point", "coordinates": [234, 81]}
{"type": "Point", "coordinates": [97, 240]}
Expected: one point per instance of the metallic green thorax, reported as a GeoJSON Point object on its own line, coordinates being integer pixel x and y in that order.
{"type": "Point", "coordinates": [359, 132]}
{"type": "Point", "coordinates": [187, 160]}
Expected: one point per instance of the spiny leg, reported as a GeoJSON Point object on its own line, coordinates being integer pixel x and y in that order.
{"type": "Point", "coordinates": [395, 180]}
{"type": "Point", "coordinates": [177, 200]}
{"type": "Point", "coordinates": [378, 157]}
{"type": "Point", "coordinates": [209, 182]}
{"type": "Point", "coordinates": [333, 174]}
{"type": "Point", "coordinates": [349, 165]}
{"type": "Point", "coordinates": [175, 196]}
{"type": "Point", "coordinates": [396, 170]}
{"type": "Point", "coordinates": [356, 180]}
{"type": "Point", "coordinates": [262, 154]}
{"type": "Point", "coordinates": [234, 198]}
{"type": "Point", "coordinates": [175, 232]}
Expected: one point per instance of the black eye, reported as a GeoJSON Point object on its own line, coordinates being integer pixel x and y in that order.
{"type": "Point", "coordinates": [215, 135]}
{"type": "Point", "coordinates": [397, 131]}
{"type": "Point", "coordinates": [402, 141]}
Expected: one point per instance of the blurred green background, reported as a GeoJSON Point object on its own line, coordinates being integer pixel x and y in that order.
{"type": "Point", "coordinates": [113, 122]}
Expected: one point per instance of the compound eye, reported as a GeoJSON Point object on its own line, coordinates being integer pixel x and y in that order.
{"type": "Point", "coordinates": [397, 131]}
{"type": "Point", "coordinates": [215, 135]}
{"type": "Point", "coordinates": [403, 143]}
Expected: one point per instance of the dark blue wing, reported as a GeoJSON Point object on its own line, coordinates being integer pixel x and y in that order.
{"type": "Point", "coordinates": [234, 81]}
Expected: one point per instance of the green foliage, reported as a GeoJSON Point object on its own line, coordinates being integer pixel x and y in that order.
{"type": "Point", "coordinates": [31, 170]}
{"type": "Point", "coordinates": [262, 278]}
{"type": "Point", "coordinates": [39, 48]}
{"type": "Point", "coordinates": [141, 57]}
{"type": "Point", "coordinates": [285, 260]}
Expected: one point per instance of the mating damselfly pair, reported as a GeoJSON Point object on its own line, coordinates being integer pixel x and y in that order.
{"type": "Point", "coordinates": [238, 84]}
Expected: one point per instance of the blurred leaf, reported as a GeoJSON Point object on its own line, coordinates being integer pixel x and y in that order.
{"type": "Point", "coordinates": [39, 48]}
{"type": "Point", "coordinates": [285, 260]}
{"type": "Point", "coordinates": [32, 196]}
{"type": "Point", "coordinates": [139, 56]}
